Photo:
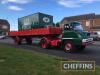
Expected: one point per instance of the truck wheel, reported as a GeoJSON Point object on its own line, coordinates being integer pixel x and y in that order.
{"type": "Point", "coordinates": [44, 44]}
{"type": "Point", "coordinates": [69, 47]}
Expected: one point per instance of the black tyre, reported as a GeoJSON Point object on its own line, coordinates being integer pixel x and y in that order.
{"type": "Point", "coordinates": [18, 41]}
{"type": "Point", "coordinates": [29, 41]}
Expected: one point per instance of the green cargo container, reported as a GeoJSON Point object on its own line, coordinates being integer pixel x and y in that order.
{"type": "Point", "coordinates": [37, 20]}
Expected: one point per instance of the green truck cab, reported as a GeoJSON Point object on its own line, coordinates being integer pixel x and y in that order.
{"type": "Point", "coordinates": [74, 37]}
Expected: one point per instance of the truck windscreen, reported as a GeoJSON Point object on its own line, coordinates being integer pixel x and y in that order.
{"type": "Point", "coordinates": [78, 26]}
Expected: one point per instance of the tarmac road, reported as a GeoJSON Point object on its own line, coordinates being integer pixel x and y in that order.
{"type": "Point", "coordinates": [91, 53]}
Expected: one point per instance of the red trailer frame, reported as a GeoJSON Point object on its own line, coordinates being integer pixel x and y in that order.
{"type": "Point", "coordinates": [34, 32]}
{"type": "Point", "coordinates": [48, 36]}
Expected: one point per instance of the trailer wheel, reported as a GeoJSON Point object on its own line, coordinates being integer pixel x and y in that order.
{"type": "Point", "coordinates": [29, 41]}
{"type": "Point", "coordinates": [18, 40]}
{"type": "Point", "coordinates": [44, 44]}
{"type": "Point", "coordinates": [69, 47]}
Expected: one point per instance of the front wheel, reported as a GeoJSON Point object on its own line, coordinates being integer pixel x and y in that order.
{"type": "Point", "coordinates": [69, 47]}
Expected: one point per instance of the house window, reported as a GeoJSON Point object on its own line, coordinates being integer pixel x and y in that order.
{"type": "Point", "coordinates": [88, 23]}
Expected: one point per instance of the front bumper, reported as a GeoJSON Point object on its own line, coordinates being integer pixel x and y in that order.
{"type": "Point", "coordinates": [87, 41]}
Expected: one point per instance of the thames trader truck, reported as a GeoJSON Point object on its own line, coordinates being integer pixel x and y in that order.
{"type": "Point", "coordinates": [70, 38]}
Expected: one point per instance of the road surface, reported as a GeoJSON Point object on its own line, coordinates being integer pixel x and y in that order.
{"type": "Point", "coordinates": [91, 53]}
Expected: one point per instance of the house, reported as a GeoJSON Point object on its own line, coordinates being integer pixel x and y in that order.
{"type": "Point", "coordinates": [90, 22]}
{"type": "Point", "coordinates": [4, 27]}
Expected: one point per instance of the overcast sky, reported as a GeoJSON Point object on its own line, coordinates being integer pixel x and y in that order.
{"type": "Point", "coordinates": [14, 9]}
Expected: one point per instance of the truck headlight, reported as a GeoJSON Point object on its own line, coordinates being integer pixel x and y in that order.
{"type": "Point", "coordinates": [85, 40]}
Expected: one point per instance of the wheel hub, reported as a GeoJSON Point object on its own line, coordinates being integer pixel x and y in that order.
{"type": "Point", "coordinates": [68, 46]}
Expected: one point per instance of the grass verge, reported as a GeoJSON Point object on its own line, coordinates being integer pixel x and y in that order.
{"type": "Point", "coordinates": [15, 61]}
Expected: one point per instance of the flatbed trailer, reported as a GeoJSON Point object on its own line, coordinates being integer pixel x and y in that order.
{"type": "Point", "coordinates": [47, 36]}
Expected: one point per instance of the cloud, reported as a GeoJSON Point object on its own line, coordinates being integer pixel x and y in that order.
{"type": "Point", "coordinates": [88, 1]}
{"type": "Point", "coordinates": [68, 3]}
{"type": "Point", "coordinates": [75, 3]}
{"type": "Point", "coordinates": [15, 1]}
{"type": "Point", "coordinates": [15, 8]}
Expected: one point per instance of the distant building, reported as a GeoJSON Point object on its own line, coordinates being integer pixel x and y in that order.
{"type": "Point", "coordinates": [4, 27]}
{"type": "Point", "coordinates": [90, 22]}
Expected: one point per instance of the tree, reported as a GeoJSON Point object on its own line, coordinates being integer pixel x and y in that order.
{"type": "Point", "coordinates": [54, 24]}
{"type": "Point", "coordinates": [57, 24]}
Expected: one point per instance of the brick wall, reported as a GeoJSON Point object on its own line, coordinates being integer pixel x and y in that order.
{"type": "Point", "coordinates": [96, 22]}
